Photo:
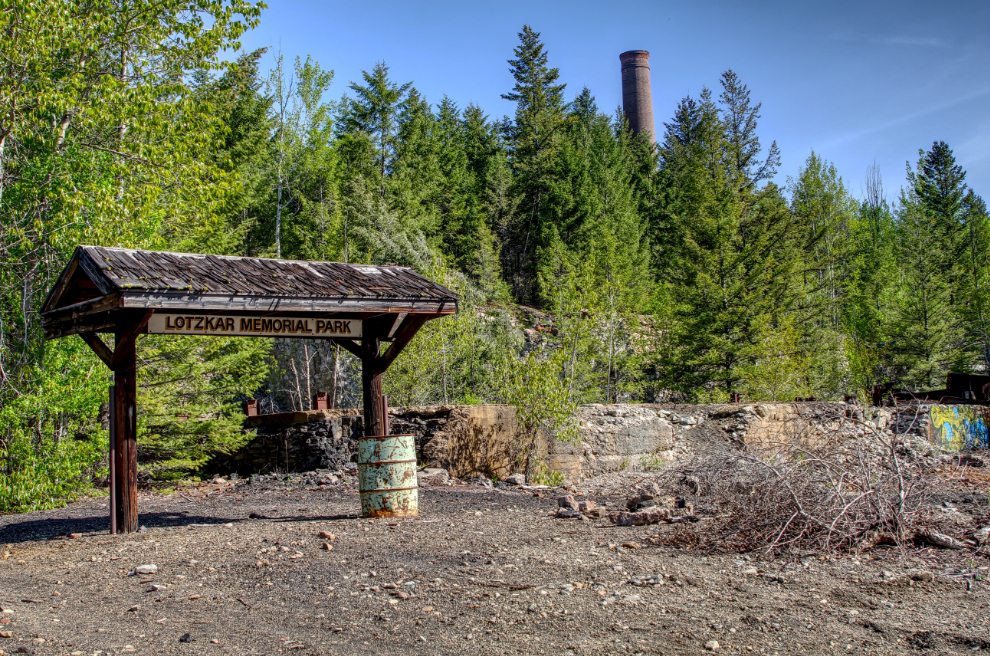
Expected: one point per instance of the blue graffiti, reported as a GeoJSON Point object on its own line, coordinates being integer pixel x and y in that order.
{"type": "Point", "coordinates": [959, 428]}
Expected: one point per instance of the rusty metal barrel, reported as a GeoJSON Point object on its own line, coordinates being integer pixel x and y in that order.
{"type": "Point", "coordinates": [387, 476]}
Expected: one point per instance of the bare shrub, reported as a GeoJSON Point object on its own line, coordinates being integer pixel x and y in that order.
{"type": "Point", "coordinates": [827, 494]}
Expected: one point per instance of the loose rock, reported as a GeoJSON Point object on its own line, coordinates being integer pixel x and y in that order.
{"type": "Point", "coordinates": [640, 501]}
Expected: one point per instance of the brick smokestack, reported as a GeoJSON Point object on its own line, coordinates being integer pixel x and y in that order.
{"type": "Point", "coordinates": [637, 98]}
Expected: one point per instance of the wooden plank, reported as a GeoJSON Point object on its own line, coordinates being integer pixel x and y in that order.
{"type": "Point", "coordinates": [93, 271]}
{"type": "Point", "coordinates": [349, 345]}
{"type": "Point", "coordinates": [125, 427]}
{"type": "Point", "coordinates": [81, 309]}
{"type": "Point", "coordinates": [63, 281]}
{"type": "Point", "coordinates": [371, 383]}
{"type": "Point", "coordinates": [244, 303]}
{"type": "Point", "coordinates": [399, 318]}
{"type": "Point", "coordinates": [101, 350]}
{"type": "Point", "coordinates": [91, 323]}
{"type": "Point", "coordinates": [402, 338]}
{"type": "Point", "coordinates": [129, 336]}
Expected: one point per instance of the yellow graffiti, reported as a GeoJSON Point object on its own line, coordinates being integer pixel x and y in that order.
{"type": "Point", "coordinates": [960, 427]}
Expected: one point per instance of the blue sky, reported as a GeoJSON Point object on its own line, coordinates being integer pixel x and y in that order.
{"type": "Point", "coordinates": [858, 82]}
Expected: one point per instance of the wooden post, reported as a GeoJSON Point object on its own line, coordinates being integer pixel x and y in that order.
{"type": "Point", "coordinates": [113, 462]}
{"type": "Point", "coordinates": [371, 379]}
{"type": "Point", "coordinates": [125, 430]}
{"type": "Point", "coordinates": [387, 430]}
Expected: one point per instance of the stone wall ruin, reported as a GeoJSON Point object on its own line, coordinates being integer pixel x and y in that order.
{"type": "Point", "coordinates": [480, 440]}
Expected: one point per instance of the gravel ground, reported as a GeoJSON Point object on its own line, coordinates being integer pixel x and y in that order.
{"type": "Point", "coordinates": [242, 570]}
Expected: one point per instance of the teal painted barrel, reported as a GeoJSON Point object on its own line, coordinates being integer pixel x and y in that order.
{"type": "Point", "coordinates": [387, 476]}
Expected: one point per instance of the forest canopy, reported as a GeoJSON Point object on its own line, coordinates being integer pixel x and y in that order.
{"type": "Point", "coordinates": [593, 265]}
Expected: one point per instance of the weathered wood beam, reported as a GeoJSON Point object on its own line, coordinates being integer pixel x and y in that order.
{"type": "Point", "coordinates": [84, 308]}
{"type": "Point", "coordinates": [93, 272]}
{"type": "Point", "coordinates": [125, 427]}
{"type": "Point", "coordinates": [371, 384]}
{"type": "Point", "coordinates": [113, 461]}
{"type": "Point", "coordinates": [129, 335]}
{"type": "Point", "coordinates": [243, 303]}
{"type": "Point", "coordinates": [63, 281]}
{"type": "Point", "coordinates": [351, 346]}
{"type": "Point", "coordinates": [100, 348]}
{"type": "Point", "coordinates": [399, 318]}
{"type": "Point", "coordinates": [403, 337]}
{"type": "Point", "coordinates": [90, 323]}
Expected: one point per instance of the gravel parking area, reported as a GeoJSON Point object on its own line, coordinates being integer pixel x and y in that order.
{"type": "Point", "coordinates": [242, 569]}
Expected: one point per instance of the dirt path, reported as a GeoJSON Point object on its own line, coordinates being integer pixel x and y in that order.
{"type": "Point", "coordinates": [479, 572]}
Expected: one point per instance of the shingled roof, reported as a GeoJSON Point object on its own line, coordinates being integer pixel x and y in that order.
{"type": "Point", "coordinates": [162, 280]}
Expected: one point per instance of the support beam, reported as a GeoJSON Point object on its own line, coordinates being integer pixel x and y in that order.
{"type": "Point", "coordinates": [128, 334]}
{"type": "Point", "coordinates": [99, 347]}
{"type": "Point", "coordinates": [62, 283]}
{"type": "Point", "coordinates": [125, 427]}
{"type": "Point", "coordinates": [371, 379]}
{"type": "Point", "coordinates": [399, 318]}
{"type": "Point", "coordinates": [351, 346]}
{"type": "Point", "coordinates": [104, 322]}
{"type": "Point", "coordinates": [113, 462]}
{"type": "Point", "coordinates": [403, 337]}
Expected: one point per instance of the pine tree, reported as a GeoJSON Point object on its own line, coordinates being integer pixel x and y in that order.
{"type": "Point", "coordinates": [370, 124]}
{"type": "Point", "coordinates": [823, 210]}
{"type": "Point", "coordinates": [870, 287]}
{"type": "Point", "coordinates": [244, 151]}
{"type": "Point", "coordinates": [928, 331]}
{"type": "Point", "coordinates": [924, 324]}
{"type": "Point", "coordinates": [742, 143]}
{"type": "Point", "coordinates": [533, 139]}
{"type": "Point", "coordinates": [975, 283]}
{"type": "Point", "coordinates": [730, 258]}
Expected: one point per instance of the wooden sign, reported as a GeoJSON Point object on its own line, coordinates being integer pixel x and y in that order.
{"type": "Point", "coordinates": [250, 326]}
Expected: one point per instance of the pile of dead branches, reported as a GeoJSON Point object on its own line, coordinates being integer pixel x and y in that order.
{"type": "Point", "coordinates": [824, 497]}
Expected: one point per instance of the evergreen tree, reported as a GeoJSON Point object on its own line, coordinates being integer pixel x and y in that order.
{"type": "Point", "coordinates": [730, 259]}
{"type": "Point", "coordinates": [742, 143]}
{"type": "Point", "coordinates": [870, 287]}
{"type": "Point", "coordinates": [533, 139]}
{"type": "Point", "coordinates": [928, 330]}
{"type": "Point", "coordinates": [924, 326]}
{"type": "Point", "coordinates": [370, 124]}
{"type": "Point", "coordinates": [823, 211]}
{"type": "Point", "coordinates": [244, 152]}
{"type": "Point", "coordinates": [975, 282]}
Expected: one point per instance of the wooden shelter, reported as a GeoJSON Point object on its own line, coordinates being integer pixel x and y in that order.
{"type": "Point", "coordinates": [130, 292]}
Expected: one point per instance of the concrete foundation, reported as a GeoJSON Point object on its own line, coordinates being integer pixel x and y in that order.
{"type": "Point", "coordinates": [481, 439]}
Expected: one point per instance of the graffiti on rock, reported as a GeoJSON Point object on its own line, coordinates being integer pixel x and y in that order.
{"type": "Point", "coordinates": [958, 428]}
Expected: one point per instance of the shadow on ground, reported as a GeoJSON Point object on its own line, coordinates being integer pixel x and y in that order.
{"type": "Point", "coordinates": [54, 528]}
